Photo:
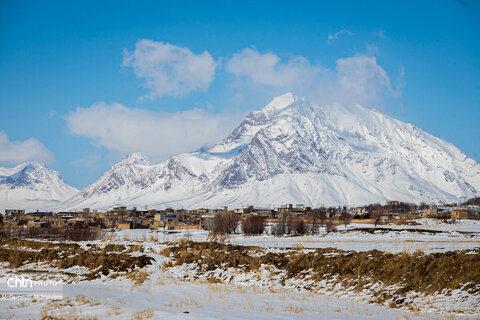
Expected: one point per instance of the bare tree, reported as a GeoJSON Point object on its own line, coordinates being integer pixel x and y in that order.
{"type": "Point", "coordinates": [296, 225]}
{"type": "Point", "coordinates": [345, 217]}
{"type": "Point", "coordinates": [280, 228]}
{"type": "Point", "coordinates": [323, 216]}
{"type": "Point", "coordinates": [473, 201]}
{"type": "Point", "coordinates": [253, 225]}
{"type": "Point", "coordinates": [290, 224]}
{"type": "Point", "coordinates": [225, 223]}
{"type": "Point", "coordinates": [300, 226]}
{"type": "Point", "coordinates": [330, 226]}
{"type": "Point", "coordinates": [316, 219]}
{"type": "Point", "coordinates": [376, 212]}
{"type": "Point", "coordinates": [210, 224]}
{"type": "Point", "coordinates": [423, 205]}
{"type": "Point", "coordinates": [231, 221]}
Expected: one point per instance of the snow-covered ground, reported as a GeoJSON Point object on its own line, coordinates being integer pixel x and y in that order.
{"type": "Point", "coordinates": [174, 293]}
{"type": "Point", "coordinates": [465, 234]}
{"type": "Point", "coordinates": [162, 297]}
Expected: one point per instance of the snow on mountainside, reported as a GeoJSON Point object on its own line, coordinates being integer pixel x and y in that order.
{"type": "Point", "coordinates": [293, 151]}
{"type": "Point", "coordinates": [32, 186]}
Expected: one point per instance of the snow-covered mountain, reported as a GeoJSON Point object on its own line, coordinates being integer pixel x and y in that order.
{"type": "Point", "coordinates": [32, 186]}
{"type": "Point", "coordinates": [293, 151]}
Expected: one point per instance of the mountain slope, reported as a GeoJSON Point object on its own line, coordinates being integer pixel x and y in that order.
{"type": "Point", "coordinates": [293, 151]}
{"type": "Point", "coordinates": [32, 186]}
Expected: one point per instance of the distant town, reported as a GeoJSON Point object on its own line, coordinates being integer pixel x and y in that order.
{"type": "Point", "coordinates": [297, 218]}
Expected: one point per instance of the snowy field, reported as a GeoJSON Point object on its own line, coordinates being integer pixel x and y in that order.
{"type": "Point", "coordinates": [177, 293]}
{"type": "Point", "coordinates": [465, 234]}
{"type": "Point", "coordinates": [168, 298]}
{"type": "Point", "coordinates": [171, 299]}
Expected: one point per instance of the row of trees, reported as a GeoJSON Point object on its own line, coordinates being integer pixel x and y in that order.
{"type": "Point", "coordinates": [230, 223]}
{"type": "Point", "coordinates": [227, 223]}
{"type": "Point", "coordinates": [473, 201]}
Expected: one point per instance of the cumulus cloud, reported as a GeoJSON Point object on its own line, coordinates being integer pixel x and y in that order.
{"type": "Point", "coordinates": [156, 134]}
{"type": "Point", "coordinates": [170, 70]}
{"type": "Point", "coordinates": [336, 35]}
{"type": "Point", "coordinates": [22, 151]}
{"type": "Point", "coordinates": [356, 79]}
{"type": "Point", "coordinates": [267, 69]}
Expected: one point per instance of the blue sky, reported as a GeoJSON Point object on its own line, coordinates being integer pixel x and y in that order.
{"type": "Point", "coordinates": [72, 73]}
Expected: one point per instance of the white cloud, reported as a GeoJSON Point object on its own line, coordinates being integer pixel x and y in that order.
{"type": "Point", "coordinates": [356, 79]}
{"type": "Point", "coordinates": [156, 134]}
{"type": "Point", "coordinates": [22, 151]}
{"type": "Point", "coordinates": [362, 78]}
{"type": "Point", "coordinates": [337, 34]}
{"type": "Point", "coordinates": [266, 69]}
{"type": "Point", "coordinates": [170, 70]}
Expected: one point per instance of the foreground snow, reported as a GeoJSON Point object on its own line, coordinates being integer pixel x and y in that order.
{"type": "Point", "coordinates": [181, 293]}
{"type": "Point", "coordinates": [165, 298]}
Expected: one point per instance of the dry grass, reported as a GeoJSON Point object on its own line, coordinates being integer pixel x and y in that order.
{"type": "Point", "coordinates": [54, 311]}
{"type": "Point", "coordinates": [424, 273]}
{"type": "Point", "coordinates": [135, 248]}
{"type": "Point", "coordinates": [186, 302]}
{"type": "Point", "coordinates": [81, 299]}
{"type": "Point", "coordinates": [138, 277]}
{"type": "Point", "coordinates": [142, 314]}
{"type": "Point", "coordinates": [114, 311]}
{"type": "Point", "coordinates": [65, 255]}
{"type": "Point", "coordinates": [293, 309]}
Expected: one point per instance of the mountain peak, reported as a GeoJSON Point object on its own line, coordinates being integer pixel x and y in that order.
{"type": "Point", "coordinates": [279, 103]}
{"type": "Point", "coordinates": [293, 151]}
{"type": "Point", "coordinates": [136, 158]}
{"type": "Point", "coordinates": [31, 185]}
{"type": "Point", "coordinates": [23, 167]}
{"type": "Point", "coordinates": [34, 166]}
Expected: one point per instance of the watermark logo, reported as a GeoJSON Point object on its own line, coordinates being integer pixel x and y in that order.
{"type": "Point", "coordinates": [30, 286]}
